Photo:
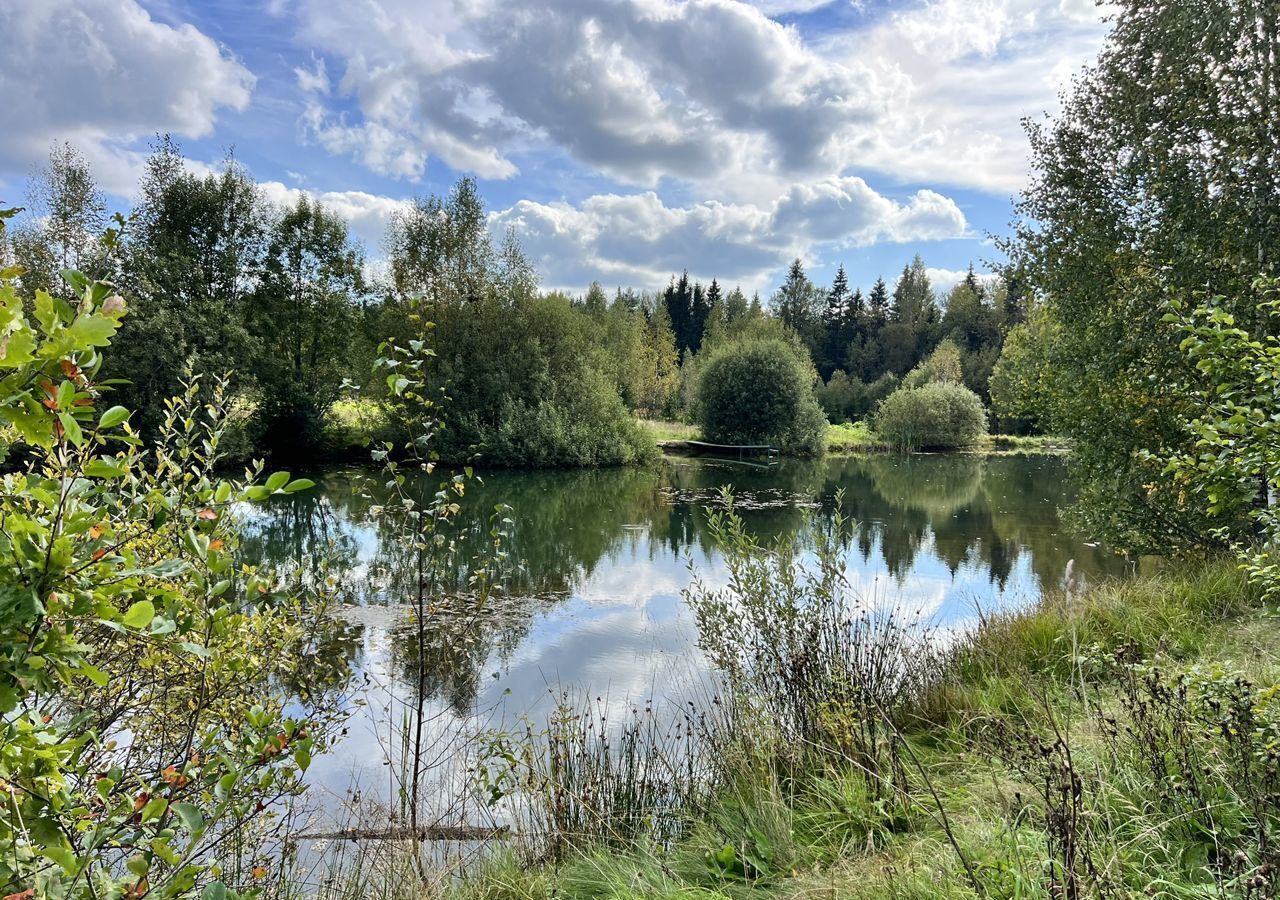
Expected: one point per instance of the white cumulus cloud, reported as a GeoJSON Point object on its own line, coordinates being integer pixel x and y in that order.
{"type": "Point", "coordinates": [102, 73]}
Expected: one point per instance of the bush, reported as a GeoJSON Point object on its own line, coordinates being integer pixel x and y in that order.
{"type": "Point", "coordinates": [587, 426]}
{"type": "Point", "coordinates": [759, 391]}
{"type": "Point", "coordinates": [932, 417]}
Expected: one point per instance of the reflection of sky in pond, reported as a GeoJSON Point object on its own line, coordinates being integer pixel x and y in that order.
{"type": "Point", "coordinates": [597, 605]}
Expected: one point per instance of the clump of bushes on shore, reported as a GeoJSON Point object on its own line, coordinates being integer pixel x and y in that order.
{"type": "Point", "coordinates": [760, 391]}
{"type": "Point", "coordinates": [934, 416]}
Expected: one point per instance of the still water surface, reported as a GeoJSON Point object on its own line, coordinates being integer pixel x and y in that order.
{"type": "Point", "coordinates": [596, 604]}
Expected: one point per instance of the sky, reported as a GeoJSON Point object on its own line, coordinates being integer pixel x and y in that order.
{"type": "Point", "coordinates": [623, 140]}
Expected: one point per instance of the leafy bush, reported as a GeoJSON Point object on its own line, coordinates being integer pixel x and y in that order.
{"type": "Point", "coordinates": [759, 391]}
{"type": "Point", "coordinates": [143, 666]}
{"type": "Point", "coordinates": [932, 417]}
{"type": "Point", "coordinates": [588, 425]}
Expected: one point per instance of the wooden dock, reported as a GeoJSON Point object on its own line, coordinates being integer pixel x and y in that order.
{"type": "Point", "coordinates": [726, 451]}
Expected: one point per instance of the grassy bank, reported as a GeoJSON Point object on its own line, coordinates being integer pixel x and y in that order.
{"type": "Point", "coordinates": [1115, 742]}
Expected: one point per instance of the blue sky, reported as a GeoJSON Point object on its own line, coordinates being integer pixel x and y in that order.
{"type": "Point", "coordinates": [622, 139]}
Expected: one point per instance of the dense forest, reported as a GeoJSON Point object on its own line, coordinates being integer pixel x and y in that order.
{"type": "Point", "coordinates": [220, 280]}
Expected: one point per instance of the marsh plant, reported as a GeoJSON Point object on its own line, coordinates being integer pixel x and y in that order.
{"type": "Point", "coordinates": [823, 669]}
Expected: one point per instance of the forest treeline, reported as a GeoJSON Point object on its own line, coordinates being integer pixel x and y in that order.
{"type": "Point", "coordinates": [221, 279]}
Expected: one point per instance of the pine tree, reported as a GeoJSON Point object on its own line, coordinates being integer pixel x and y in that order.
{"type": "Point", "coordinates": [679, 299]}
{"type": "Point", "coordinates": [700, 307]}
{"type": "Point", "coordinates": [736, 306]}
{"type": "Point", "coordinates": [836, 335]}
{"type": "Point", "coordinates": [878, 306]}
{"type": "Point", "coordinates": [596, 301]}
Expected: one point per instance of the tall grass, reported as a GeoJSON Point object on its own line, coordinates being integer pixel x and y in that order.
{"type": "Point", "coordinates": [1088, 747]}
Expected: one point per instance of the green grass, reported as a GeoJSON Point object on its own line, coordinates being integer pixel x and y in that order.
{"type": "Point", "coordinates": [670, 431]}
{"type": "Point", "coordinates": [853, 437]}
{"type": "Point", "coordinates": [1056, 668]}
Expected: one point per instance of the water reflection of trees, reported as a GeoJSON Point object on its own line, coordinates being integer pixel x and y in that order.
{"type": "Point", "coordinates": [987, 514]}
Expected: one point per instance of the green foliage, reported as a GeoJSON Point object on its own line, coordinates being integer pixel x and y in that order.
{"type": "Point", "coordinates": [1156, 179]}
{"type": "Point", "coordinates": [1233, 470]}
{"type": "Point", "coordinates": [936, 416]}
{"type": "Point", "coordinates": [942, 366]}
{"type": "Point", "coordinates": [138, 656]}
{"type": "Point", "coordinates": [847, 399]}
{"type": "Point", "coordinates": [760, 391]}
{"type": "Point", "coordinates": [1023, 378]}
{"type": "Point", "coordinates": [526, 375]}
{"type": "Point", "coordinates": [304, 316]}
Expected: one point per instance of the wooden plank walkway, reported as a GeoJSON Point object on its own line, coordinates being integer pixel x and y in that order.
{"type": "Point", "coordinates": [741, 451]}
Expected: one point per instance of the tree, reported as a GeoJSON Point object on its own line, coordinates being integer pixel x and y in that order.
{"type": "Point", "coordinates": [942, 366]}
{"type": "Point", "coordinates": [66, 214]}
{"type": "Point", "coordinates": [193, 259]}
{"type": "Point", "coordinates": [799, 303]}
{"type": "Point", "coordinates": [304, 317]}
{"type": "Point", "coordinates": [661, 380]}
{"type": "Point", "coordinates": [1158, 179]}
{"type": "Point", "coordinates": [878, 307]}
{"type": "Point", "coordinates": [916, 308]}
{"type": "Point", "coordinates": [596, 302]}
{"type": "Point", "coordinates": [1234, 467]}
{"type": "Point", "coordinates": [141, 624]}
{"type": "Point", "coordinates": [1023, 378]}
{"type": "Point", "coordinates": [679, 300]}
{"type": "Point", "coordinates": [735, 306]}
{"type": "Point", "coordinates": [440, 247]}
{"type": "Point", "coordinates": [838, 324]}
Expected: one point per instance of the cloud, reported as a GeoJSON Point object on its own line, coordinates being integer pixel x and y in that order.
{"type": "Point", "coordinates": [639, 239]}
{"type": "Point", "coordinates": [943, 280]}
{"type": "Point", "coordinates": [102, 73]}
{"type": "Point", "coordinates": [706, 92]}
{"type": "Point", "coordinates": [968, 72]}
{"type": "Point", "coordinates": [639, 90]}
{"type": "Point", "coordinates": [366, 214]}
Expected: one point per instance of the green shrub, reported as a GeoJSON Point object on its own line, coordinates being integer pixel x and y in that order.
{"type": "Point", "coordinates": [759, 391]}
{"type": "Point", "coordinates": [934, 416]}
{"type": "Point", "coordinates": [587, 425]}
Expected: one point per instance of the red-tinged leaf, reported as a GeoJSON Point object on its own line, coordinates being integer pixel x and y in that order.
{"type": "Point", "coordinates": [70, 369]}
{"type": "Point", "coordinates": [99, 553]}
{"type": "Point", "coordinates": [217, 544]}
{"type": "Point", "coordinates": [28, 894]}
{"type": "Point", "coordinates": [207, 514]}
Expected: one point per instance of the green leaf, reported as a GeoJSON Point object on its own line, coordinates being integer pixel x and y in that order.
{"type": "Point", "coordinates": [17, 349]}
{"type": "Point", "coordinates": [190, 816]}
{"type": "Point", "coordinates": [300, 484]}
{"type": "Point", "coordinates": [113, 417]}
{"type": "Point", "coordinates": [154, 809]}
{"type": "Point", "coordinates": [277, 480]}
{"type": "Point", "coordinates": [104, 467]}
{"type": "Point", "coordinates": [71, 428]}
{"type": "Point", "coordinates": [215, 890]}
{"type": "Point", "coordinates": [140, 614]}
{"type": "Point", "coordinates": [92, 331]}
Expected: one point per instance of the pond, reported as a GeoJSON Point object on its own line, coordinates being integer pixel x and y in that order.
{"type": "Point", "coordinates": [595, 606]}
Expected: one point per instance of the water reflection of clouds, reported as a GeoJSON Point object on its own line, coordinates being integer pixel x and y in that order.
{"type": "Point", "coordinates": [598, 607]}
